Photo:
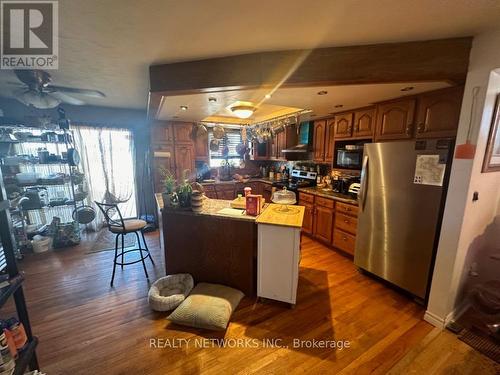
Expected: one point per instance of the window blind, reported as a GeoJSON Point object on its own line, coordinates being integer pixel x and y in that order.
{"type": "Point", "coordinates": [231, 140]}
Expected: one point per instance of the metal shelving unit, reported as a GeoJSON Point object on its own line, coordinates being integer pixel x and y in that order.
{"type": "Point", "coordinates": [24, 145]}
{"type": "Point", "coordinates": [27, 357]}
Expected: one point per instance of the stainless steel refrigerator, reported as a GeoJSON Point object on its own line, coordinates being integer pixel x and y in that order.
{"type": "Point", "coordinates": [403, 186]}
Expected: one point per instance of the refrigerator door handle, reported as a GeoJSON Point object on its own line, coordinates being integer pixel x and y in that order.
{"type": "Point", "coordinates": [364, 184]}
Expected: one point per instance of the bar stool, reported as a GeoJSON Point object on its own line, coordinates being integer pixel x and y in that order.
{"type": "Point", "coordinates": [117, 225]}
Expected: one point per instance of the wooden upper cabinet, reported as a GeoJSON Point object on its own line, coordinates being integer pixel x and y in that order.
{"type": "Point", "coordinates": [319, 141]}
{"type": "Point", "coordinates": [364, 123]}
{"type": "Point", "coordinates": [343, 125]}
{"type": "Point", "coordinates": [395, 119]}
{"type": "Point", "coordinates": [201, 147]}
{"type": "Point", "coordinates": [184, 159]}
{"type": "Point", "coordinates": [438, 113]}
{"type": "Point", "coordinates": [182, 132]}
{"type": "Point", "coordinates": [161, 132]}
{"type": "Point", "coordinates": [329, 139]}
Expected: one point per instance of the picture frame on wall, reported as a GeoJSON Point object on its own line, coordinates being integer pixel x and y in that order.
{"type": "Point", "coordinates": [491, 161]}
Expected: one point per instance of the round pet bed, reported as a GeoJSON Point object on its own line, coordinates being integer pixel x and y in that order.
{"type": "Point", "coordinates": [168, 292]}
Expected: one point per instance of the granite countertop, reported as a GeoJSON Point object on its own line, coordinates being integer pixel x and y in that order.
{"type": "Point", "coordinates": [211, 207]}
{"type": "Point", "coordinates": [329, 194]}
{"type": "Point", "coordinates": [265, 180]}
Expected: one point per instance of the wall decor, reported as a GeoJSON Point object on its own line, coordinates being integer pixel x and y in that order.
{"type": "Point", "coordinates": [491, 161]}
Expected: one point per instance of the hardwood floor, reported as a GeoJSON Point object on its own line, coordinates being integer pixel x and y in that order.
{"type": "Point", "coordinates": [87, 327]}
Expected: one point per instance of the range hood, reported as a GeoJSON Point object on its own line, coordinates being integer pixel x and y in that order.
{"type": "Point", "coordinates": [305, 141]}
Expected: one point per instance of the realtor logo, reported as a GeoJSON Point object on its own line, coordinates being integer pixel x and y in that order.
{"type": "Point", "coordinates": [29, 35]}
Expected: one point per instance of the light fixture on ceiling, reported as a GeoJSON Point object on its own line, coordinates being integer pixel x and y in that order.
{"type": "Point", "coordinates": [184, 107]}
{"type": "Point", "coordinates": [339, 106]}
{"type": "Point", "coordinates": [212, 99]}
{"type": "Point", "coordinates": [243, 111]}
{"type": "Point", "coordinates": [268, 96]}
{"type": "Point", "coordinates": [322, 92]}
{"type": "Point", "coordinates": [407, 88]}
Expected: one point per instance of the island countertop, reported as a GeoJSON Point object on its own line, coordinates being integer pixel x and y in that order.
{"type": "Point", "coordinates": [211, 207]}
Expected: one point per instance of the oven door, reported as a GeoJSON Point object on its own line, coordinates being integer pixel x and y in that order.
{"type": "Point", "coordinates": [350, 159]}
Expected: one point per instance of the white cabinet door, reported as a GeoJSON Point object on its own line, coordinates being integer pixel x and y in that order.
{"type": "Point", "coordinates": [278, 262]}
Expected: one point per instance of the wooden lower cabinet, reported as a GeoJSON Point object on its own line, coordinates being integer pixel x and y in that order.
{"type": "Point", "coordinates": [331, 222]}
{"type": "Point", "coordinates": [307, 224]}
{"type": "Point", "coordinates": [323, 222]}
{"type": "Point", "coordinates": [344, 241]}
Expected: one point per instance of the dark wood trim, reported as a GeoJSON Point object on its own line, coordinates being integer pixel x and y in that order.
{"type": "Point", "coordinates": [434, 60]}
{"type": "Point", "coordinates": [494, 133]}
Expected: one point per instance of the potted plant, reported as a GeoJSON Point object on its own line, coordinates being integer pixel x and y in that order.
{"type": "Point", "coordinates": [168, 186]}
{"type": "Point", "coordinates": [184, 190]}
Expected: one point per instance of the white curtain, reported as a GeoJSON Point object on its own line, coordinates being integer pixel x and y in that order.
{"type": "Point", "coordinates": [107, 160]}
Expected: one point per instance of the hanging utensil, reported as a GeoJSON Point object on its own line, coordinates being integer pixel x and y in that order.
{"type": "Point", "coordinates": [214, 145]}
{"type": "Point", "coordinates": [218, 132]}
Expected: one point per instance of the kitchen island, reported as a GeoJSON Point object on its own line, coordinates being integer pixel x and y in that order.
{"type": "Point", "coordinates": [222, 248]}
{"type": "Point", "coordinates": [212, 247]}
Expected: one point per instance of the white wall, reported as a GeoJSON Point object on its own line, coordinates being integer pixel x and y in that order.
{"type": "Point", "coordinates": [465, 220]}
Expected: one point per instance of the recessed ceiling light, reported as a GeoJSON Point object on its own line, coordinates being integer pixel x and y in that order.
{"type": "Point", "coordinates": [184, 107]}
{"type": "Point", "coordinates": [339, 106]}
{"type": "Point", "coordinates": [268, 96]}
{"type": "Point", "coordinates": [322, 92]}
{"type": "Point", "coordinates": [407, 88]}
{"type": "Point", "coordinates": [212, 99]}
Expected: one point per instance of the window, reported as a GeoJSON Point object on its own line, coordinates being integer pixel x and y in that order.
{"type": "Point", "coordinates": [231, 140]}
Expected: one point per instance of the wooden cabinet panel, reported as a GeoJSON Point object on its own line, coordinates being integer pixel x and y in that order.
{"type": "Point", "coordinates": [161, 133]}
{"type": "Point", "coordinates": [364, 123]}
{"type": "Point", "coordinates": [201, 148]}
{"type": "Point", "coordinates": [347, 209]}
{"type": "Point", "coordinates": [307, 224]}
{"type": "Point", "coordinates": [306, 198]}
{"type": "Point", "coordinates": [184, 159]}
{"type": "Point", "coordinates": [319, 141]}
{"type": "Point", "coordinates": [395, 119]}
{"type": "Point", "coordinates": [329, 140]}
{"type": "Point", "coordinates": [210, 191]}
{"type": "Point", "coordinates": [323, 223]}
{"type": "Point", "coordinates": [343, 125]}
{"type": "Point", "coordinates": [163, 158]}
{"type": "Point", "coordinates": [261, 151]}
{"type": "Point", "coordinates": [344, 241]}
{"type": "Point", "coordinates": [346, 223]}
{"type": "Point", "coordinates": [182, 132]}
{"type": "Point", "coordinates": [438, 113]}
{"type": "Point", "coordinates": [325, 202]}
{"type": "Point", "coordinates": [225, 191]}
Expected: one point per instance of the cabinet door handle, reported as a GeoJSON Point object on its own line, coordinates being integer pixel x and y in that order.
{"type": "Point", "coordinates": [344, 238]}
{"type": "Point", "coordinates": [409, 129]}
{"type": "Point", "coordinates": [346, 221]}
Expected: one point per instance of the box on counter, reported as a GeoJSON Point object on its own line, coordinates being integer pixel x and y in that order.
{"type": "Point", "coordinates": [253, 204]}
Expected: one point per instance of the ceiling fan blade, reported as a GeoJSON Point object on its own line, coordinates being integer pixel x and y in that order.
{"type": "Point", "coordinates": [72, 90]}
{"type": "Point", "coordinates": [66, 98]}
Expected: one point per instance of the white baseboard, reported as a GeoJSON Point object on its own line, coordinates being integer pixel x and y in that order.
{"type": "Point", "coordinates": [435, 320]}
{"type": "Point", "coordinates": [441, 322]}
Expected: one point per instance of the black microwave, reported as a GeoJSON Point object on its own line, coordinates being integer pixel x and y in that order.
{"type": "Point", "coordinates": [349, 157]}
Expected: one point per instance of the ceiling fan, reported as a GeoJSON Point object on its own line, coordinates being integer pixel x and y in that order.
{"type": "Point", "coordinates": [37, 91]}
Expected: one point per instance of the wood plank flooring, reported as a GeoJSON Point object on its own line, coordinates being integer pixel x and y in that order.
{"type": "Point", "coordinates": [87, 327]}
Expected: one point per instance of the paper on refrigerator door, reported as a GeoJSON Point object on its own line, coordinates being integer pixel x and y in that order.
{"type": "Point", "coordinates": [429, 170]}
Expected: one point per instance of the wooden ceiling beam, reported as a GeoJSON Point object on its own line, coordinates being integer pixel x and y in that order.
{"type": "Point", "coordinates": [433, 60]}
